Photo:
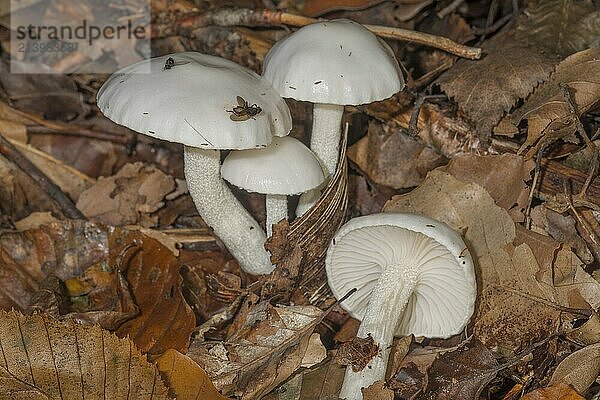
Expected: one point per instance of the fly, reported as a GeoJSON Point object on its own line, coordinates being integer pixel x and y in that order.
{"type": "Point", "coordinates": [170, 63]}
{"type": "Point", "coordinates": [244, 111]}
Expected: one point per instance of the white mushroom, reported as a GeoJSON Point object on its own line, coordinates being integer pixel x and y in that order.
{"type": "Point", "coordinates": [414, 275]}
{"type": "Point", "coordinates": [285, 168]}
{"type": "Point", "coordinates": [331, 64]}
{"type": "Point", "coordinates": [188, 98]}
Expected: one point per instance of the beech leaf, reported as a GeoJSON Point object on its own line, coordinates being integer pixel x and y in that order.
{"type": "Point", "coordinates": [579, 369]}
{"type": "Point", "coordinates": [46, 359]}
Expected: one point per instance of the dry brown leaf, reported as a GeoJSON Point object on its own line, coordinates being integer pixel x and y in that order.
{"type": "Point", "coordinates": [315, 352]}
{"type": "Point", "coordinates": [152, 271]}
{"type": "Point", "coordinates": [46, 359]}
{"type": "Point", "coordinates": [581, 73]}
{"type": "Point", "coordinates": [186, 380]}
{"type": "Point", "coordinates": [563, 228]}
{"type": "Point", "coordinates": [392, 158]}
{"type": "Point", "coordinates": [504, 177]}
{"type": "Point", "coordinates": [513, 307]}
{"type": "Point", "coordinates": [357, 353]}
{"type": "Point", "coordinates": [559, 391]}
{"type": "Point", "coordinates": [588, 333]}
{"type": "Point", "coordinates": [579, 369]}
{"type": "Point", "coordinates": [35, 220]}
{"type": "Point", "coordinates": [128, 197]}
{"type": "Point", "coordinates": [264, 351]}
{"type": "Point", "coordinates": [410, 378]}
{"type": "Point", "coordinates": [487, 89]}
{"type": "Point", "coordinates": [377, 391]}
{"type": "Point", "coordinates": [462, 373]}
{"type": "Point", "coordinates": [562, 27]}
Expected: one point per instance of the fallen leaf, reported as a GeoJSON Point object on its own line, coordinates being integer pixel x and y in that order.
{"type": "Point", "coordinates": [559, 391]}
{"type": "Point", "coordinates": [563, 228]}
{"type": "Point", "coordinates": [315, 352]}
{"type": "Point", "coordinates": [152, 271]}
{"type": "Point", "coordinates": [128, 197]}
{"type": "Point", "coordinates": [580, 369]}
{"type": "Point", "coordinates": [410, 378]}
{"type": "Point", "coordinates": [264, 351]}
{"type": "Point", "coordinates": [503, 176]}
{"type": "Point", "coordinates": [562, 27]}
{"type": "Point", "coordinates": [588, 333]}
{"type": "Point", "coordinates": [186, 380]}
{"type": "Point", "coordinates": [487, 89]}
{"type": "Point", "coordinates": [35, 220]}
{"type": "Point", "coordinates": [44, 358]}
{"type": "Point", "coordinates": [389, 157]}
{"type": "Point", "coordinates": [357, 353]}
{"type": "Point", "coordinates": [462, 373]}
{"type": "Point", "coordinates": [377, 391]}
{"type": "Point", "coordinates": [548, 106]}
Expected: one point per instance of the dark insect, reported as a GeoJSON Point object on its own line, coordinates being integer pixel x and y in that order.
{"type": "Point", "coordinates": [244, 111]}
{"type": "Point", "coordinates": [170, 63]}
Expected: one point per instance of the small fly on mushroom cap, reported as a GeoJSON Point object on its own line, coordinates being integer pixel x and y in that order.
{"type": "Point", "coordinates": [243, 111]}
{"type": "Point", "coordinates": [414, 275]}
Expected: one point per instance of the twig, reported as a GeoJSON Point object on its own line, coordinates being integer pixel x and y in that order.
{"type": "Point", "coordinates": [536, 175]}
{"type": "Point", "coordinates": [266, 18]}
{"type": "Point", "coordinates": [449, 8]}
{"type": "Point", "coordinates": [62, 200]}
{"type": "Point", "coordinates": [492, 28]}
{"type": "Point", "coordinates": [84, 132]}
{"type": "Point", "coordinates": [413, 130]}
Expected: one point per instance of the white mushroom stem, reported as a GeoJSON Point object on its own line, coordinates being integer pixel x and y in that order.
{"type": "Point", "coordinates": [325, 143]}
{"type": "Point", "coordinates": [276, 210]}
{"type": "Point", "coordinates": [219, 208]}
{"type": "Point", "coordinates": [386, 306]}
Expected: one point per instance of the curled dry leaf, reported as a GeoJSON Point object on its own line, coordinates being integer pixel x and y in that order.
{"type": "Point", "coordinates": [309, 237]}
{"type": "Point", "coordinates": [46, 359]}
{"type": "Point", "coordinates": [377, 391]}
{"type": "Point", "coordinates": [186, 380]}
{"type": "Point", "coordinates": [265, 350]}
{"type": "Point", "coordinates": [547, 111]}
{"type": "Point", "coordinates": [579, 369]}
{"type": "Point", "coordinates": [514, 308]}
{"type": "Point", "coordinates": [127, 197]}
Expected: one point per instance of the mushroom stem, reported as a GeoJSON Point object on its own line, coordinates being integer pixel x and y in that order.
{"type": "Point", "coordinates": [276, 210]}
{"type": "Point", "coordinates": [325, 143]}
{"type": "Point", "coordinates": [385, 309]}
{"type": "Point", "coordinates": [219, 208]}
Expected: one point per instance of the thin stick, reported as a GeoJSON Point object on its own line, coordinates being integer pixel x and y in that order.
{"type": "Point", "coordinates": [12, 154]}
{"type": "Point", "coordinates": [265, 18]}
{"type": "Point", "coordinates": [449, 9]}
{"type": "Point", "coordinates": [413, 130]}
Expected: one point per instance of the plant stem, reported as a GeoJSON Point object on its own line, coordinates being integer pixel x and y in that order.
{"type": "Point", "coordinates": [276, 205]}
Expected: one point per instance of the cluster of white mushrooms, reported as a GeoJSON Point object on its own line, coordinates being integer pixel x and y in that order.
{"type": "Point", "coordinates": [413, 274]}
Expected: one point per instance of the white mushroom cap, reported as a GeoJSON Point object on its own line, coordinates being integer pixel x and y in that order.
{"type": "Point", "coordinates": [333, 62]}
{"type": "Point", "coordinates": [286, 167]}
{"type": "Point", "coordinates": [444, 295]}
{"type": "Point", "coordinates": [188, 103]}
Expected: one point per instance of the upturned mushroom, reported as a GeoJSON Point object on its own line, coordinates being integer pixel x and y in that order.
{"type": "Point", "coordinates": [331, 64]}
{"type": "Point", "coordinates": [414, 275]}
{"type": "Point", "coordinates": [208, 104]}
{"type": "Point", "coordinates": [285, 168]}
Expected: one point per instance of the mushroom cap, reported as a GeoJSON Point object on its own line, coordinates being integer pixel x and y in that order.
{"type": "Point", "coordinates": [189, 102]}
{"type": "Point", "coordinates": [444, 296]}
{"type": "Point", "coordinates": [333, 62]}
{"type": "Point", "coordinates": [286, 167]}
